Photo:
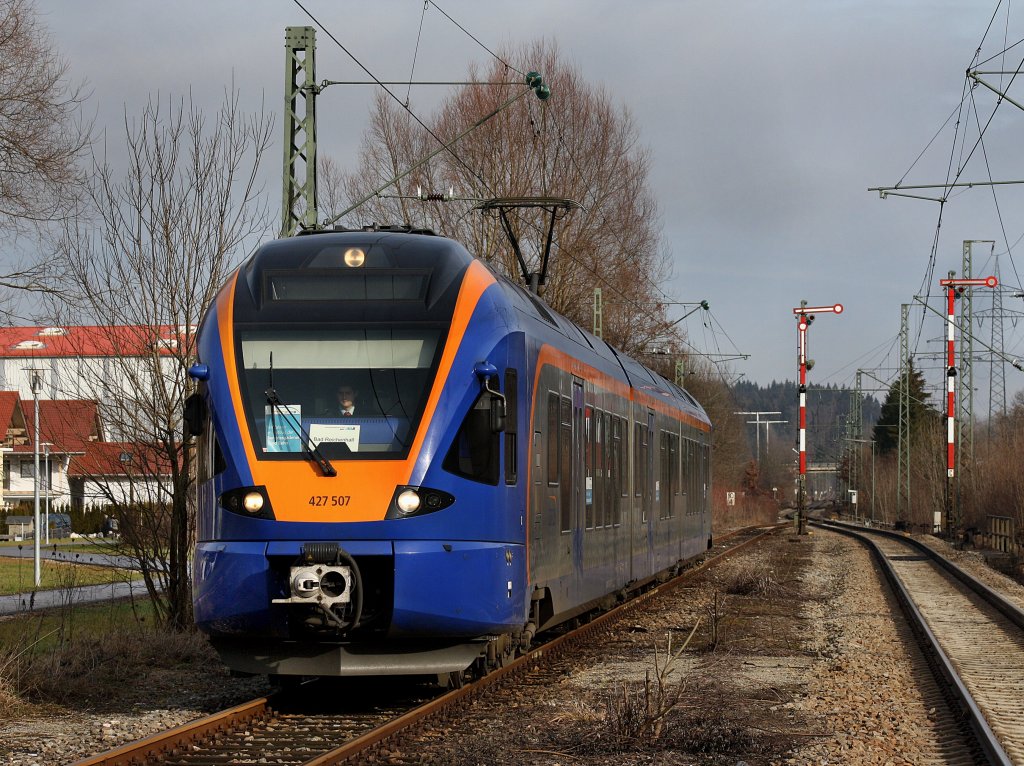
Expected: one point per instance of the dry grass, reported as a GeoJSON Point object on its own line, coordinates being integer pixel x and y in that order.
{"type": "Point", "coordinates": [764, 575]}
{"type": "Point", "coordinates": [748, 512]}
{"type": "Point", "coordinates": [90, 670]}
{"type": "Point", "coordinates": [637, 712]}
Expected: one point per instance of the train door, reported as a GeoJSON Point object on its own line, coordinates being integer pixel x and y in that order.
{"type": "Point", "coordinates": [579, 440]}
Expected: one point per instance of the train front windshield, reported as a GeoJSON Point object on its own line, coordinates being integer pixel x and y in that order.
{"type": "Point", "coordinates": [351, 393]}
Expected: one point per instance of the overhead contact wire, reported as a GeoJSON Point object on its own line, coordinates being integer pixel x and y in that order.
{"type": "Point", "coordinates": [387, 90]}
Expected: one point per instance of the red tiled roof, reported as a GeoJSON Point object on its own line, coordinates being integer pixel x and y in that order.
{"type": "Point", "coordinates": [90, 340]}
{"type": "Point", "coordinates": [119, 459]}
{"type": "Point", "coordinates": [8, 403]}
{"type": "Point", "coordinates": [67, 424]}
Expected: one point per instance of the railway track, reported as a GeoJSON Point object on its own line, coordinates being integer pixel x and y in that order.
{"type": "Point", "coordinates": [973, 636]}
{"type": "Point", "coordinates": [353, 718]}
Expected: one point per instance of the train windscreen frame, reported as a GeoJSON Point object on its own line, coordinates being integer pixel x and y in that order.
{"type": "Point", "coordinates": [391, 371]}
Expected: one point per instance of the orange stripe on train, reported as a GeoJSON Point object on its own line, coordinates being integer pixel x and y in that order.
{"type": "Point", "coordinates": [550, 356]}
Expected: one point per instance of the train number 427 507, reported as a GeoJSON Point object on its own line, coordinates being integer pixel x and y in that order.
{"type": "Point", "coordinates": [330, 500]}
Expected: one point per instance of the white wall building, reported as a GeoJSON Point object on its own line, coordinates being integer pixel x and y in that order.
{"type": "Point", "coordinates": [80, 375]}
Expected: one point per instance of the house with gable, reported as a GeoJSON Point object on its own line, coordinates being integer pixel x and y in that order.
{"type": "Point", "coordinates": [80, 374]}
{"type": "Point", "coordinates": [122, 473]}
{"type": "Point", "coordinates": [77, 466]}
{"type": "Point", "coordinates": [66, 429]}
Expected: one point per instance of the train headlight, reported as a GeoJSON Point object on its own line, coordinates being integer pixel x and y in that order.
{"type": "Point", "coordinates": [417, 501]}
{"type": "Point", "coordinates": [354, 257]}
{"type": "Point", "coordinates": [408, 501]}
{"type": "Point", "coordinates": [253, 502]}
{"type": "Point", "coordinates": [250, 502]}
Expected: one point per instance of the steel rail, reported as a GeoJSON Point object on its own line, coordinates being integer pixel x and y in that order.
{"type": "Point", "coordinates": [163, 745]}
{"type": "Point", "coordinates": [550, 650]}
{"type": "Point", "coordinates": [1007, 608]}
{"type": "Point", "coordinates": [938, 659]}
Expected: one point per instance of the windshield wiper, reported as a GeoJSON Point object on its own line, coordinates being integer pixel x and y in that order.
{"type": "Point", "coordinates": [310, 450]}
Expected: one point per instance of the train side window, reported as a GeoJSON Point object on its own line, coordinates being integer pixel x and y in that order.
{"type": "Point", "coordinates": [565, 463]}
{"type": "Point", "coordinates": [511, 426]}
{"type": "Point", "coordinates": [665, 477]}
{"type": "Point", "coordinates": [705, 453]}
{"type": "Point", "coordinates": [639, 469]}
{"type": "Point", "coordinates": [686, 472]}
{"type": "Point", "coordinates": [673, 446]}
{"type": "Point", "coordinates": [607, 497]}
{"type": "Point", "coordinates": [646, 467]}
{"type": "Point", "coordinates": [209, 457]}
{"type": "Point", "coordinates": [206, 446]}
{"type": "Point", "coordinates": [598, 472]}
{"type": "Point", "coordinates": [589, 434]}
{"type": "Point", "coordinates": [620, 487]}
{"type": "Point", "coordinates": [552, 425]}
{"type": "Point", "coordinates": [474, 453]}
{"type": "Point", "coordinates": [698, 470]}
{"type": "Point", "coordinates": [537, 475]}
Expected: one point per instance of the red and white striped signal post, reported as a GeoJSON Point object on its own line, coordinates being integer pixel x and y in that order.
{"type": "Point", "coordinates": [804, 317]}
{"type": "Point", "coordinates": [954, 287]}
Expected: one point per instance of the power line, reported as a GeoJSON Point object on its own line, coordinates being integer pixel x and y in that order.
{"type": "Point", "coordinates": [474, 39]}
{"type": "Point", "coordinates": [390, 93]}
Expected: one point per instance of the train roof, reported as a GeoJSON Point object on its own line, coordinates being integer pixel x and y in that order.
{"type": "Point", "coordinates": [549, 321]}
{"type": "Point", "coordinates": [405, 248]}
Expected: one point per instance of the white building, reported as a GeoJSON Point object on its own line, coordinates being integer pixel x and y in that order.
{"type": "Point", "coordinates": [77, 373]}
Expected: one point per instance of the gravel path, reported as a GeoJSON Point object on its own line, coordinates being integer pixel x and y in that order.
{"type": "Point", "coordinates": [807, 668]}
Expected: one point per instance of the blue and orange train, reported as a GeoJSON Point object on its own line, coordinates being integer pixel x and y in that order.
{"type": "Point", "coordinates": [502, 471]}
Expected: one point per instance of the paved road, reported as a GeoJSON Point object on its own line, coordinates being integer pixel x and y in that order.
{"type": "Point", "coordinates": [69, 554]}
{"type": "Point", "coordinates": [48, 599]}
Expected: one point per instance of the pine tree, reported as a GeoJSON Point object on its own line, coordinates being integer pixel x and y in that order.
{"type": "Point", "coordinates": [887, 429]}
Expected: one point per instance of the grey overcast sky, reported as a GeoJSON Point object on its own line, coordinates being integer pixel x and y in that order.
{"type": "Point", "coordinates": [766, 121]}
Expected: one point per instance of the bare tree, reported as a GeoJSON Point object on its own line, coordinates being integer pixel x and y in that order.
{"type": "Point", "coordinates": [41, 137]}
{"type": "Point", "coordinates": [146, 264]}
{"type": "Point", "coordinates": [578, 145]}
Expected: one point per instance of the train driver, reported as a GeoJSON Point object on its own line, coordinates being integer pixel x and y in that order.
{"type": "Point", "coordinates": [346, 400]}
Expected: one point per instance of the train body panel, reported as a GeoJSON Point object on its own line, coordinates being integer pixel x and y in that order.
{"type": "Point", "coordinates": [511, 471]}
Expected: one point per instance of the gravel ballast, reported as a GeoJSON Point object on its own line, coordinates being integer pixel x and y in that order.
{"type": "Point", "coordinates": [796, 659]}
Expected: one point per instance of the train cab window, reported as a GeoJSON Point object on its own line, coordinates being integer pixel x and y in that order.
{"type": "Point", "coordinates": [474, 453]}
{"type": "Point", "coordinates": [390, 371]}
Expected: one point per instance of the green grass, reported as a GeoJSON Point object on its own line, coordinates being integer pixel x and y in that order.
{"type": "Point", "coordinates": [18, 575]}
{"type": "Point", "coordinates": [42, 630]}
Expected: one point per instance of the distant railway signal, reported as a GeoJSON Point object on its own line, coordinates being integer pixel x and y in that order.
{"type": "Point", "coordinates": [954, 287]}
{"type": "Point", "coordinates": [805, 315]}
